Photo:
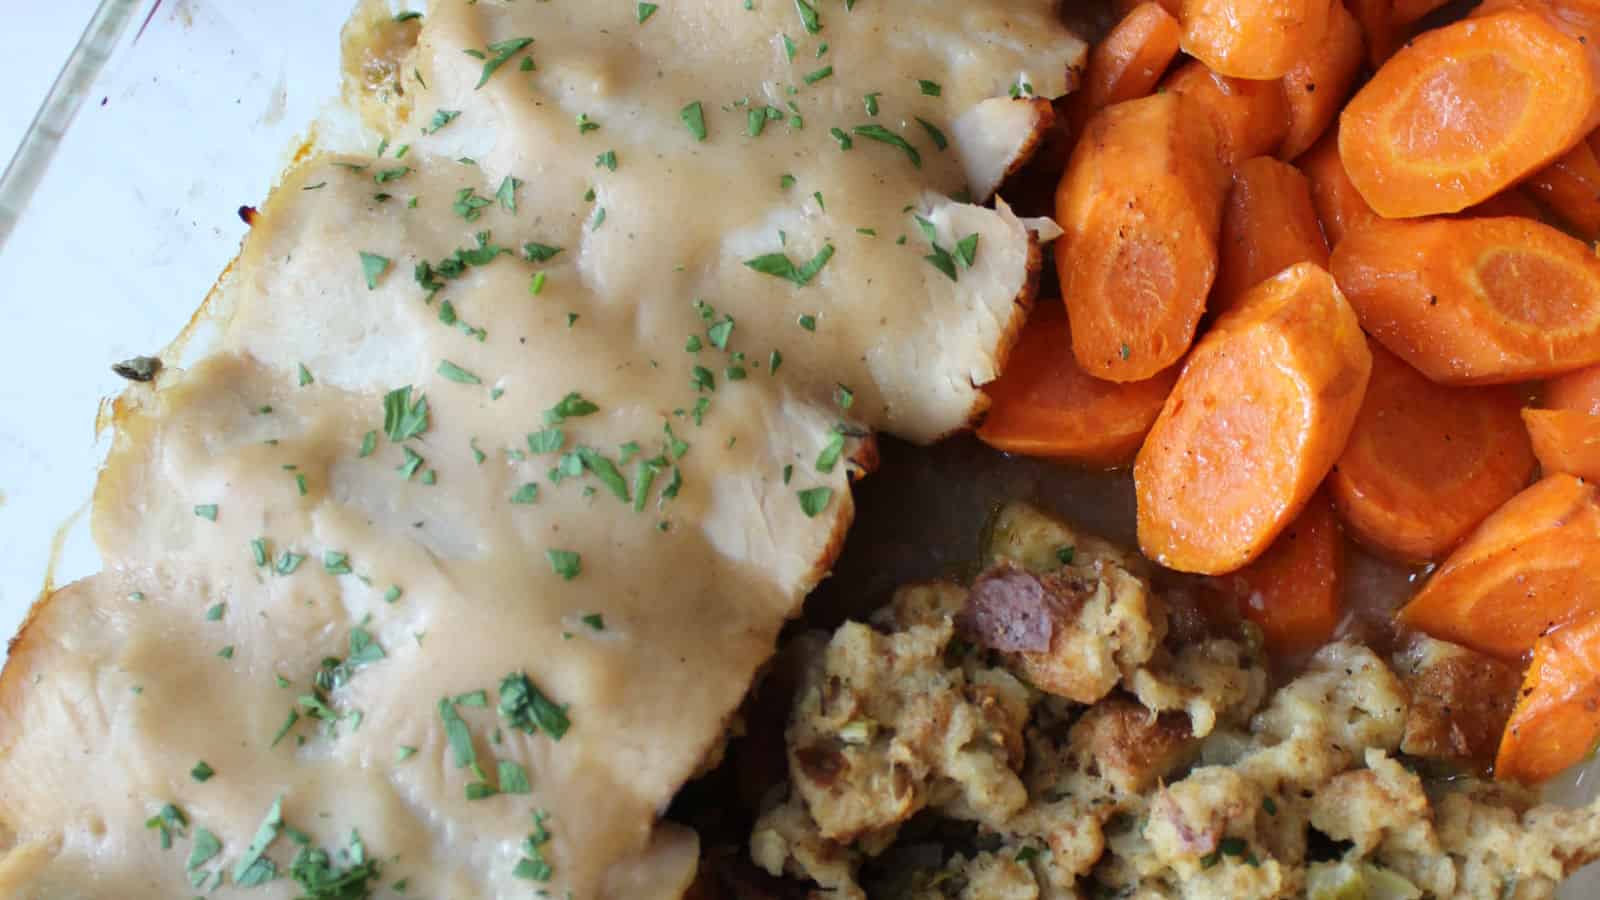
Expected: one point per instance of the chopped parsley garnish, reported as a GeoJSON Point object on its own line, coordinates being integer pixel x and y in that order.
{"type": "Point", "coordinates": [774, 360]}
{"type": "Point", "coordinates": [369, 443]}
{"type": "Point", "coordinates": [204, 849]}
{"type": "Point", "coordinates": [808, 322]}
{"type": "Point", "coordinates": [216, 612]}
{"type": "Point", "coordinates": [565, 563]}
{"type": "Point", "coordinates": [829, 457]}
{"type": "Point", "coordinates": [871, 101]}
{"type": "Point", "coordinates": [407, 16]}
{"type": "Point", "coordinates": [322, 878]}
{"type": "Point", "coordinates": [929, 88]}
{"type": "Point", "coordinates": [1125, 351]}
{"type": "Point", "coordinates": [507, 194]}
{"type": "Point", "coordinates": [528, 493]}
{"type": "Point", "coordinates": [1021, 89]}
{"type": "Point", "coordinates": [207, 511]}
{"type": "Point", "coordinates": [305, 375]}
{"type": "Point", "coordinates": [694, 118]}
{"type": "Point", "coordinates": [818, 75]}
{"type": "Point", "coordinates": [527, 709]}
{"type": "Point", "coordinates": [168, 821]}
{"type": "Point", "coordinates": [457, 374]}
{"type": "Point", "coordinates": [336, 562]}
{"type": "Point", "coordinates": [573, 405]}
{"type": "Point", "coordinates": [392, 594]}
{"type": "Point", "coordinates": [843, 396]}
{"type": "Point", "coordinates": [441, 118]}
{"type": "Point", "coordinates": [941, 259]}
{"type": "Point", "coordinates": [607, 161]}
{"type": "Point", "coordinates": [645, 11]}
{"type": "Point", "coordinates": [254, 867]}
{"type": "Point", "coordinates": [503, 51]}
{"type": "Point", "coordinates": [289, 561]}
{"type": "Point", "coordinates": [533, 866]}
{"type": "Point", "coordinates": [585, 124]}
{"type": "Point", "coordinates": [786, 181]}
{"type": "Point", "coordinates": [372, 268]}
{"type": "Point", "coordinates": [756, 121]}
{"type": "Point", "coordinates": [719, 333]}
{"type": "Point", "coordinates": [384, 176]}
{"type": "Point", "coordinates": [808, 16]}
{"type": "Point", "coordinates": [412, 462]}
{"type": "Point", "coordinates": [202, 772]}
{"type": "Point", "coordinates": [605, 470]}
{"type": "Point", "coordinates": [967, 249]}
{"type": "Point", "coordinates": [283, 730]}
{"type": "Point", "coordinates": [934, 134]}
{"type": "Point", "coordinates": [533, 251]}
{"type": "Point", "coordinates": [513, 777]}
{"type": "Point", "coordinates": [599, 219]}
{"type": "Point", "coordinates": [788, 48]}
{"type": "Point", "coordinates": [815, 500]}
{"type": "Point", "coordinates": [883, 135]}
{"type": "Point", "coordinates": [469, 204]}
{"type": "Point", "coordinates": [844, 139]}
{"type": "Point", "coordinates": [702, 379]}
{"type": "Point", "coordinates": [779, 265]}
{"type": "Point", "coordinates": [548, 440]}
{"type": "Point", "coordinates": [404, 418]}
{"type": "Point", "coordinates": [404, 753]}
{"type": "Point", "coordinates": [1065, 555]}
{"type": "Point", "coordinates": [595, 621]}
{"type": "Point", "coordinates": [258, 551]}
{"type": "Point", "coordinates": [457, 734]}
{"type": "Point", "coordinates": [226, 652]}
{"type": "Point", "coordinates": [536, 284]}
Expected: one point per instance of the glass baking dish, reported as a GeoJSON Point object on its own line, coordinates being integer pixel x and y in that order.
{"type": "Point", "coordinates": [119, 211]}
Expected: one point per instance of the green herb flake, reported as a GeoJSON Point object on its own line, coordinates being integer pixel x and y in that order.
{"type": "Point", "coordinates": [216, 612]}
{"type": "Point", "coordinates": [755, 122]}
{"type": "Point", "coordinates": [384, 176]}
{"type": "Point", "coordinates": [941, 259]}
{"type": "Point", "coordinates": [788, 48]}
{"type": "Point", "coordinates": [288, 562]}
{"type": "Point", "coordinates": [207, 511]}
{"type": "Point", "coordinates": [573, 405]}
{"type": "Point", "coordinates": [967, 249]}
{"type": "Point", "coordinates": [457, 735]}
{"type": "Point", "coordinates": [873, 132]}
{"type": "Point", "coordinates": [934, 134]}
{"type": "Point", "coordinates": [441, 118]}
{"type": "Point", "coordinates": [526, 708]}
{"type": "Point", "coordinates": [202, 772]}
{"type": "Point", "coordinates": [305, 375]}
{"type": "Point", "coordinates": [1065, 555]}
{"type": "Point", "coordinates": [694, 119]}
{"type": "Point", "coordinates": [586, 125]}
{"type": "Point", "coordinates": [814, 500]}
{"type": "Point", "coordinates": [779, 265]}
{"type": "Point", "coordinates": [204, 848]}
{"type": "Point", "coordinates": [503, 51]}
{"type": "Point", "coordinates": [247, 871]}
{"type": "Point", "coordinates": [513, 777]}
{"type": "Point", "coordinates": [831, 451]}
{"type": "Point", "coordinates": [412, 461]}
{"type": "Point", "coordinates": [595, 621]}
{"type": "Point", "coordinates": [404, 418]}
{"type": "Point", "coordinates": [844, 397]}
{"type": "Point", "coordinates": [645, 11]}
{"type": "Point", "coordinates": [226, 652]}
{"type": "Point", "coordinates": [808, 16]}
{"type": "Point", "coordinates": [929, 88]}
{"type": "Point", "coordinates": [369, 443]}
{"type": "Point", "coordinates": [336, 562]}
{"type": "Point", "coordinates": [506, 196]}
{"type": "Point", "coordinates": [607, 161]}
{"type": "Point", "coordinates": [565, 563]}
{"type": "Point", "coordinates": [1125, 351]}
{"type": "Point", "coordinates": [457, 374]}
{"type": "Point", "coordinates": [402, 754]}
{"type": "Point", "coordinates": [526, 494]}
{"type": "Point", "coordinates": [818, 75]}
{"type": "Point", "coordinates": [372, 268]}
{"type": "Point", "coordinates": [808, 322]}
{"type": "Point", "coordinates": [785, 182]}
{"type": "Point", "coordinates": [844, 139]}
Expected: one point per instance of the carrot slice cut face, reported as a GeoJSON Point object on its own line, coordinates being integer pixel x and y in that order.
{"type": "Point", "coordinates": [1475, 301]}
{"type": "Point", "coordinates": [1255, 39]}
{"type": "Point", "coordinates": [1556, 722]}
{"type": "Point", "coordinates": [1044, 404]}
{"type": "Point", "coordinates": [1565, 441]}
{"type": "Point", "coordinates": [1261, 410]}
{"type": "Point", "coordinates": [1127, 63]}
{"type": "Point", "coordinates": [1340, 207]}
{"type": "Point", "coordinates": [1251, 117]}
{"type": "Point", "coordinates": [1570, 186]}
{"type": "Point", "coordinates": [1527, 569]}
{"type": "Point", "coordinates": [1426, 463]}
{"type": "Point", "coordinates": [1295, 590]}
{"type": "Point", "coordinates": [1268, 225]}
{"type": "Point", "coordinates": [1320, 83]}
{"type": "Point", "coordinates": [1139, 207]}
{"type": "Point", "coordinates": [1578, 391]}
{"type": "Point", "coordinates": [1464, 111]}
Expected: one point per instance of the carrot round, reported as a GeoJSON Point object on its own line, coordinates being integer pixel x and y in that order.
{"type": "Point", "coordinates": [1320, 83]}
{"type": "Point", "coordinates": [1268, 225]}
{"type": "Point", "coordinates": [1340, 207]}
{"type": "Point", "coordinates": [1044, 404]}
{"type": "Point", "coordinates": [1251, 117]}
{"type": "Point", "coordinates": [1255, 39]}
{"type": "Point", "coordinates": [1527, 569]}
{"type": "Point", "coordinates": [1578, 391]}
{"type": "Point", "coordinates": [1295, 590]}
{"type": "Point", "coordinates": [1127, 63]}
{"type": "Point", "coordinates": [1123, 7]}
{"type": "Point", "coordinates": [1260, 412]}
{"type": "Point", "coordinates": [1556, 721]}
{"type": "Point", "coordinates": [1464, 111]}
{"type": "Point", "coordinates": [1512, 202]}
{"type": "Point", "coordinates": [1565, 441]}
{"type": "Point", "coordinates": [1426, 463]}
{"type": "Point", "coordinates": [1570, 187]}
{"type": "Point", "coordinates": [1475, 301]}
{"type": "Point", "coordinates": [1139, 207]}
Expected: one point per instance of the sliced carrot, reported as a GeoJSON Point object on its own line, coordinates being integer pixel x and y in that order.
{"type": "Point", "coordinates": [1527, 569]}
{"type": "Point", "coordinates": [1255, 39]}
{"type": "Point", "coordinates": [1578, 19]}
{"type": "Point", "coordinates": [1139, 206]}
{"type": "Point", "coordinates": [1556, 722]}
{"type": "Point", "coordinates": [1578, 391]}
{"type": "Point", "coordinates": [1340, 207]}
{"type": "Point", "coordinates": [1565, 441]}
{"type": "Point", "coordinates": [1475, 301]}
{"type": "Point", "coordinates": [1426, 463]}
{"type": "Point", "coordinates": [1320, 82]}
{"type": "Point", "coordinates": [1123, 7]}
{"type": "Point", "coordinates": [1251, 117]}
{"type": "Point", "coordinates": [1513, 202]}
{"type": "Point", "coordinates": [1295, 590]}
{"type": "Point", "coordinates": [1268, 225]}
{"type": "Point", "coordinates": [1127, 63]}
{"type": "Point", "coordinates": [1464, 111]}
{"type": "Point", "coordinates": [1044, 404]}
{"type": "Point", "coordinates": [1260, 412]}
{"type": "Point", "coordinates": [1570, 187]}
{"type": "Point", "coordinates": [1381, 32]}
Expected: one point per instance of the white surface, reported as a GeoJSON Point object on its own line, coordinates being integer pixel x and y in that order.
{"type": "Point", "coordinates": [29, 66]}
{"type": "Point", "coordinates": [130, 227]}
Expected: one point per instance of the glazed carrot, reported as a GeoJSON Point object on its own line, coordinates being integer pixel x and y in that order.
{"type": "Point", "coordinates": [1251, 117]}
{"type": "Point", "coordinates": [1260, 412]}
{"type": "Point", "coordinates": [1426, 463]}
{"type": "Point", "coordinates": [1464, 111]}
{"type": "Point", "coordinates": [1268, 225]}
{"type": "Point", "coordinates": [1578, 391]}
{"type": "Point", "coordinates": [1320, 83]}
{"type": "Point", "coordinates": [1255, 39]}
{"type": "Point", "coordinates": [1556, 721]}
{"type": "Point", "coordinates": [1565, 441]}
{"type": "Point", "coordinates": [1381, 33]}
{"type": "Point", "coordinates": [1044, 404]}
{"type": "Point", "coordinates": [1294, 591]}
{"type": "Point", "coordinates": [1570, 187]}
{"type": "Point", "coordinates": [1513, 202]}
{"type": "Point", "coordinates": [1527, 569]}
{"type": "Point", "coordinates": [1139, 206]}
{"type": "Point", "coordinates": [1123, 7]}
{"type": "Point", "coordinates": [1340, 207]}
{"type": "Point", "coordinates": [1475, 301]}
{"type": "Point", "coordinates": [1127, 63]}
